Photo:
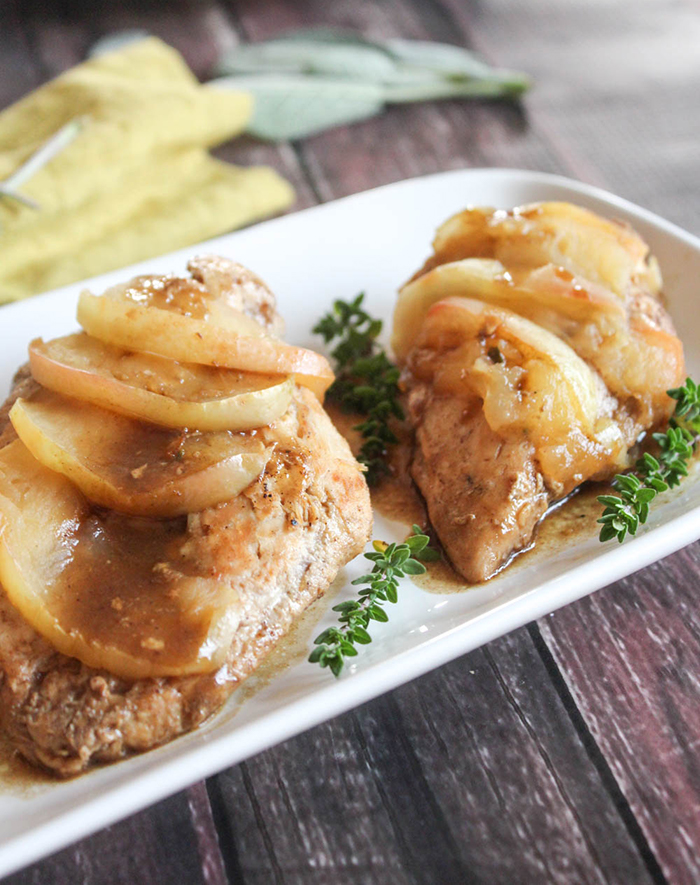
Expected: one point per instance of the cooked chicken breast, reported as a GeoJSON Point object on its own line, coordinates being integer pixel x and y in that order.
{"type": "Point", "coordinates": [536, 352]}
{"type": "Point", "coordinates": [484, 492]}
{"type": "Point", "coordinates": [278, 545]}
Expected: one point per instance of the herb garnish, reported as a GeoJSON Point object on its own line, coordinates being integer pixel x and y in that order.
{"type": "Point", "coordinates": [625, 512]}
{"type": "Point", "coordinates": [314, 79]}
{"type": "Point", "coordinates": [391, 562]}
{"type": "Point", "coordinates": [366, 381]}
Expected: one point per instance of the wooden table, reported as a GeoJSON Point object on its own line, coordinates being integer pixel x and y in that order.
{"type": "Point", "coordinates": [567, 751]}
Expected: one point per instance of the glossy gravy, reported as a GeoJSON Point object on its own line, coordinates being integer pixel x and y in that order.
{"type": "Point", "coordinates": [122, 583]}
{"type": "Point", "coordinates": [17, 776]}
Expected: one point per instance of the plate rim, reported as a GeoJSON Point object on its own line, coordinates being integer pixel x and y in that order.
{"type": "Point", "coordinates": [170, 776]}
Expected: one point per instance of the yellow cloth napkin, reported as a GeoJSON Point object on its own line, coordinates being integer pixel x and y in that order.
{"type": "Point", "coordinates": [136, 182]}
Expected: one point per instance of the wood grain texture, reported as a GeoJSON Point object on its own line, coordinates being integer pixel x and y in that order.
{"type": "Point", "coordinates": [160, 845]}
{"type": "Point", "coordinates": [475, 771]}
{"type": "Point", "coordinates": [631, 658]}
{"type": "Point", "coordinates": [19, 72]}
{"type": "Point", "coordinates": [616, 88]}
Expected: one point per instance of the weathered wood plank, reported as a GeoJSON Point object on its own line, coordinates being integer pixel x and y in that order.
{"type": "Point", "coordinates": [616, 88]}
{"type": "Point", "coordinates": [474, 771]}
{"type": "Point", "coordinates": [170, 844]}
{"type": "Point", "coordinates": [19, 71]}
{"type": "Point", "coordinates": [63, 33]}
{"type": "Point", "coordinates": [631, 659]}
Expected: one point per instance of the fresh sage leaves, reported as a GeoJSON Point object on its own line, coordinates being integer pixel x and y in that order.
{"type": "Point", "coordinates": [312, 80]}
{"type": "Point", "coordinates": [292, 106]}
{"type": "Point", "coordinates": [309, 55]}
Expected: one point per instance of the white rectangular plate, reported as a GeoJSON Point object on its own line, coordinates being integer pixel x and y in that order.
{"type": "Point", "coordinates": [369, 242]}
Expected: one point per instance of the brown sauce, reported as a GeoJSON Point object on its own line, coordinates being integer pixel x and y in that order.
{"type": "Point", "coordinates": [185, 296]}
{"type": "Point", "coordinates": [125, 586]}
{"type": "Point", "coordinates": [397, 498]}
{"type": "Point", "coordinates": [19, 777]}
{"type": "Point", "coordinates": [565, 523]}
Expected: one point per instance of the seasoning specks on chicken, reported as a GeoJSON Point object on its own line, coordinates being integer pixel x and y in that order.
{"type": "Point", "coordinates": [179, 610]}
{"type": "Point", "coordinates": [536, 351]}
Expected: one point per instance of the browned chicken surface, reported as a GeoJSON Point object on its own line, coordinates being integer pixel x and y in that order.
{"type": "Point", "coordinates": [536, 352]}
{"type": "Point", "coordinates": [483, 501]}
{"type": "Point", "coordinates": [275, 548]}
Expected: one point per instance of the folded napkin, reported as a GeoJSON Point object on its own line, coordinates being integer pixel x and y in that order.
{"type": "Point", "coordinates": [136, 181]}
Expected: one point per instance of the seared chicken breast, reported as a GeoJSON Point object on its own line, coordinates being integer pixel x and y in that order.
{"type": "Point", "coordinates": [274, 548]}
{"type": "Point", "coordinates": [536, 352]}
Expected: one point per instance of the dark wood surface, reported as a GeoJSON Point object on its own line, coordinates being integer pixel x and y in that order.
{"type": "Point", "coordinates": [566, 752]}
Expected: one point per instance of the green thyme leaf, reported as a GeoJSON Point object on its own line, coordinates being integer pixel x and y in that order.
{"type": "Point", "coordinates": [366, 381]}
{"type": "Point", "coordinates": [625, 512]}
{"type": "Point", "coordinates": [390, 561]}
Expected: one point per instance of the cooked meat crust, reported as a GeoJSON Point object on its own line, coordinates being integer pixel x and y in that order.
{"type": "Point", "coordinates": [484, 493]}
{"type": "Point", "coordinates": [280, 544]}
{"type": "Point", "coordinates": [486, 486]}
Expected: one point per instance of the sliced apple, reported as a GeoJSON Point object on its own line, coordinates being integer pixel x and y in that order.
{"type": "Point", "coordinates": [603, 251]}
{"type": "Point", "coordinates": [224, 337]}
{"type": "Point", "coordinates": [116, 592]}
{"type": "Point", "coordinates": [521, 344]}
{"type": "Point", "coordinates": [530, 383]}
{"type": "Point", "coordinates": [633, 358]}
{"type": "Point", "coordinates": [550, 296]}
{"type": "Point", "coordinates": [134, 467]}
{"type": "Point", "coordinates": [156, 389]}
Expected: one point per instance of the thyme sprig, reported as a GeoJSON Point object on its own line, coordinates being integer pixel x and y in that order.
{"type": "Point", "coordinates": [625, 512]}
{"type": "Point", "coordinates": [381, 585]}
{"type": "Point", "coordinates": [366, 381]}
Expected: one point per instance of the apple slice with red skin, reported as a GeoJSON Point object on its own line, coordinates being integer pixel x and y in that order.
{"type": "Point", "coordinates": [156, 389]}
{"type": "Point", "coordinates": [134, 467]}
{"type": "Point", "coordinates": [225, 338]}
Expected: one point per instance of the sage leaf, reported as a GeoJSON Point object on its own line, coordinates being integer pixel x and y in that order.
{"type": "Point", "coordinates": [117, 40]}
{"type": "Point", "coordinates": [432, 88]}
{"type": "Point", "coordinates": [297, 106]}
{"type": "Point", "coordinates": [440, 58]}
{"type": "Point", "coordinates": [330, 35]}
{"type": "Point", "coordinates": [311, 80]}
{"type": "Point", "coordinates": [361, 61]}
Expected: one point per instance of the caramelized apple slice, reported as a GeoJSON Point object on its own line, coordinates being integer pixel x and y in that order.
{"type": "Point", "coordinates": [602, 251]}
{"type": "Point", "coordinates": [116, 592]}
{"type": "Point", "coordinates": [530, 383]}
{"type": "Point", "coordinates": [605, 252]}
{"type": "Point", "coordinates": [221, 336]}
{"type": "Point", "coordinates": [555, 300]}
{"type": "Point", "coordinates": [156, 389]}
{"type": "Point", "coordinates": [641, 360]}
{"type": "Point", "coordinates": [134, 467]}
